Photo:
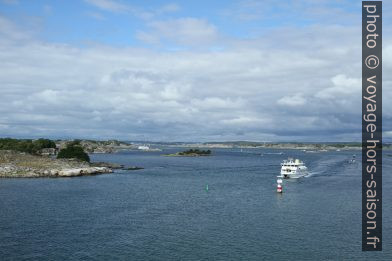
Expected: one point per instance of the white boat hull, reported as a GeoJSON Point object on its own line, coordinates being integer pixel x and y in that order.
{"type": "Point", "coordinates": [292, 176]}
{"type": "Point", "coordinates": [293, 169]}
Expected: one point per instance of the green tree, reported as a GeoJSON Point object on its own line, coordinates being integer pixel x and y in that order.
{"type": "Point", "coordinates": [73, 150]}
{"type": "Point", "coordinates": [26, 145]}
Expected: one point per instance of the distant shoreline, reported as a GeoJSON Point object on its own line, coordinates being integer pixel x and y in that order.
{"type": "Point", "coordinates": [185, 155]}
{"type": "Point", "coordinates": [318, 146]}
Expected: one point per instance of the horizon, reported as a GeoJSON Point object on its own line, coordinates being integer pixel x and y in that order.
{"type": "Point", "coordinates": [169, 70]}
{"type": "Point", "coordinates": [195, 142]}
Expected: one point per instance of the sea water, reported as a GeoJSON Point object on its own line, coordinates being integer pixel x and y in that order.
{"type": "Point", "coordinates": [165, 212]}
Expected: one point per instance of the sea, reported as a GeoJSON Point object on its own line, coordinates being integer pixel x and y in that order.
{"type": "Point", "coordinates": [221, 207]}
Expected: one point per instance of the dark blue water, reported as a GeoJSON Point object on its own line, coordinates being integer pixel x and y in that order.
{"type": "Point", "coordinates": [165, 213]}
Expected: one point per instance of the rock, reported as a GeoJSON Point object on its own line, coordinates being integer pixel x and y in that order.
{"type": "Point", "coordinates": [107, 165]}
{"type": "Point", "coordinates": [16, 165]}
{"type": "Point", "coordinates": [53, 172]}
{"type": "Point", "coordinates": [69, 173]}
{"type": "Point", "coordinates": [83, 171]}
{"type": "Point", "coordinates": [133, 168]}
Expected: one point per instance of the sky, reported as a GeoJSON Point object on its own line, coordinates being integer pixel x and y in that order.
{"type": "Point", "coordinates": [186, 70]}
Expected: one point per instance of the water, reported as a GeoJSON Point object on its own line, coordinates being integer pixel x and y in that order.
{"type": "Point", "coordinates": [165, 212]}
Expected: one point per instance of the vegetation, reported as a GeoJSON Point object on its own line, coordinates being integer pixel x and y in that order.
{"type": "Point", "coordinates": [26, 145]}
{"type": "Point", "coordinates": [195, 152]}
{"type": "Point", "coordinates": [74, 150]}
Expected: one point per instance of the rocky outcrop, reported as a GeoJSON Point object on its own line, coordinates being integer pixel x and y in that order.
{"type": "Point", "coordinates": [93, 146]}
{"type": "Point", "coordinates": [83, 171]}
{"type": "Point", "coordinates": [22, 165]}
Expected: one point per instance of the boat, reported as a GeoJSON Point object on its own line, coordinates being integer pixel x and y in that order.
{"type": "Point", "coordinates": [147, 148]}
{"type": "Point", "coordinates": [143, 147]}
{"type": "Point", "coordinates": [293, 169]}
{"type": "Point", "coordinates": [352, 160]}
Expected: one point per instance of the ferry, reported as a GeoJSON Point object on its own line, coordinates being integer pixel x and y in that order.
{"type": "Point", "coordinates": [143, 147]}
{"type": "Point", "coordinates": [293, 169]}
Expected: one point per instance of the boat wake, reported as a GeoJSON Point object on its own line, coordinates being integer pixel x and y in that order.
{"type": "Point", "coordinates": [329, 167]}
{"type": "Point", "coordinates": [313, 173]}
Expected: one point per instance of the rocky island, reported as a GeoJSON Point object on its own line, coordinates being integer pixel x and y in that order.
{"type": "Point", "coordinates": [15, 164]}
{"type": "Point", "coordinates": [44, 158]}
{"type": "Point", "coordinates": [95, 146]}
{"type": "Point", "coordinates": [191, 153]}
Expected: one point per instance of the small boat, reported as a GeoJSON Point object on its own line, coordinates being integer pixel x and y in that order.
{"type": "Point", "coordinates": [143, 147]}
{"type": "Point", "coordinates": [293, 169]}
{"type": "Point", "coordinates": [147, 148]}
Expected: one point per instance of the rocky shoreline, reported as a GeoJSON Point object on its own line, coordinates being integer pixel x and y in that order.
{"type": "Point", "coordinates": [92, 146]}
{"type": "Point", "coordinates": [23, 165]}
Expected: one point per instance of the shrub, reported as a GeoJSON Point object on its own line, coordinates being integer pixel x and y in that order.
{"type": "Point", "coordinates": [196, 151]}
{"type": "Point", "coordinates": [26, 145]}
{"type": "Point", "coordinates": [73, 150]}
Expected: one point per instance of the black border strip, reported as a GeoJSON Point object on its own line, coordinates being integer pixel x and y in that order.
{"type": "Point", "coordinates": [371, 125]}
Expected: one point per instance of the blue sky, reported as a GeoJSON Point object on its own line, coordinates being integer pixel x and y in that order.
{"type": "Point", "coordinates": [185, 70]}
{"type": "Point", "coordinates": [118, 23]}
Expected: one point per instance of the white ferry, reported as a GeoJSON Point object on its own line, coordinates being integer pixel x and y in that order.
{"type": "Point", "coordinates": [293, 169]}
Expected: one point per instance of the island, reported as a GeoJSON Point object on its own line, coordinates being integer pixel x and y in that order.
{"type": "Point", "coordinates": [190, 153]}
{"type": "Point", "coordinates": [14, 164]}
{"type": "Point", "coordinates": [25, 158]}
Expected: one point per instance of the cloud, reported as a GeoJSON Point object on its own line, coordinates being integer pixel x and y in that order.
{"type": "Point", "coordinates": [11, 32]}
{"type": "Point", "coordinates": [121, 8]}
{"type": "Point", "coordinates": [183, 31]}
{"type": "Point", "coordinates": [96, 15]}
{"type": "Point", "coordinates": [108, 5]}
{"type": "Point", "coordinates": [295, 100]}
{"type": "Point", "coordinates": [294, 12]}
{"type": "Point", "coordinates": [342, 86]}
{"type": "Point", "coordinates": [295, 84]}
{"type": "Point", "coordinates": [169, 8]}
{"type": "Point", "coordinates": [10, 2]}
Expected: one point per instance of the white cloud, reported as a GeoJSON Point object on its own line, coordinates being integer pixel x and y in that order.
{"type": "Point", "coordinates": [96, 15]}
{"type": "Point", "coordinates": [10, 2]}
{"type": "Point", "coordinates": [295, 100]}
{"type": "Point", "coordinates": [342, 86]}
{"type": "Point", "coordinates": [108, 5]}
{"type": "Point", "coordinates": [130, 9]}
{"type": "Point", "coordinates": [254, 89]}
{"type": "Point", "coordinates": [183, 31]}
{"type": "Point", "coordinates": [168, 8]}
{"type": "Point", "coordinates": [10, 31]}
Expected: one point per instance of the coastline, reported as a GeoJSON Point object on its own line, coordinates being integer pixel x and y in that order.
{"type": "Point", "coordinates": [184, 155]}
{"type": "Point", "coordinates": [22, 165]}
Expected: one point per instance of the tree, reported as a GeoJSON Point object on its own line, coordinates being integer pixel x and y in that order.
{"type": "Point", "coordinates": [73, 150]}
{"type": "Point", "coordinates": [26, 145]}
{"type": "Point", "coordinates": [43, 144]}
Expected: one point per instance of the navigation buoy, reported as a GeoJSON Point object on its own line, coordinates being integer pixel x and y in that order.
{"type": "Point", "coordinates": [279, 188]}
{"type": "Point", "coordinates": [207, 187]}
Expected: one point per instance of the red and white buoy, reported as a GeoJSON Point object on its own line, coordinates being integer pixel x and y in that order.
{"type": "Point", "coordinates": [279, 188]}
